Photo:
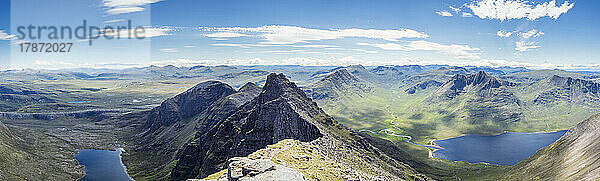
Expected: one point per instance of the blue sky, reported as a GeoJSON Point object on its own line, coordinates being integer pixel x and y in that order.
{"type": "Point", "coordinates": [535, 34]}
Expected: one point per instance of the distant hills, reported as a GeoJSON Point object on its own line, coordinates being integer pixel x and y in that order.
{"type": "Point", "coordinates": [465, 100]}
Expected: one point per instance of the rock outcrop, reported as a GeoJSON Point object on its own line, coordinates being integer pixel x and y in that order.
{"type": "Point", "coordinates": [240, 168]}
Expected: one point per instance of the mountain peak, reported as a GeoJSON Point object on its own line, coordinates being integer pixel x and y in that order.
{"type": "Point", "coordinates": [248, 86]}
{"type": "Point", "coordinates": [481, 83]}
{"type": "Point", "coordinates": [187, 104]}
{"type": "Point", "coordinates": [278, 86]}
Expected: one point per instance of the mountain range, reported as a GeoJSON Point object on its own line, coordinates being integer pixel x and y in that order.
{"type": "Point", "coordinates": [313, 123]}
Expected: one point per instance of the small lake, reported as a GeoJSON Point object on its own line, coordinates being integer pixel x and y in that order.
{"type": "Point", "coordinates": [101, 165]}
{"type": "Point", "coordinates": [504, 149]}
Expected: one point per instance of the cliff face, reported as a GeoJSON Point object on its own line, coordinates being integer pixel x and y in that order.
{"type": "Point", "coordinates": [187, 104]}
{"type": "Point", "coordinates": [575, 156]}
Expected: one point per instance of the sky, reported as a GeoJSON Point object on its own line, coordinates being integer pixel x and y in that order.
{"type": "Point", "coordinates": [535, 34]}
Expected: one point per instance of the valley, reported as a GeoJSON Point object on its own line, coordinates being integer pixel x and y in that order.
{"type": "Point", "coordinates": [328, 123]}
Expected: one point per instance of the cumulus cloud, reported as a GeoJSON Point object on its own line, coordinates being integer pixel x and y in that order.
{"type": "Point", "coordinates": [444, 13]}
{"type": "Point", "coordinates": [517, 9]}
{"type": "Point", "coordinates": [458, 51]}
{"type": "Point", "coordinates": [532, 33]}
{"type": "Point", "coordinates": [523, 46]}
{"type": "Point", "coordinates": [504, 34]}
{"type": "Point", "coordinates": [125, 6]}
{"type": "Point", "coordinates": [280, 35]}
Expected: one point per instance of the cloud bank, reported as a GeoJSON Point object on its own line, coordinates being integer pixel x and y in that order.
{"type": "Point", "coordinates": [517, 9]}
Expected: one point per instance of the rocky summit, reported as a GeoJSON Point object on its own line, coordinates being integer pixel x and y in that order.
{"type": "Point", "coordinates": [281, 111]}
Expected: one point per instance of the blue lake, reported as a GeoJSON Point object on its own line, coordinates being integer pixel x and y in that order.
{"type": "Point", "coordinates": [504, 149]}
{"type": "Point", "coordinates": [101, 165]}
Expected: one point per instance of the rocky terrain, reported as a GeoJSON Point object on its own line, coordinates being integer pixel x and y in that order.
{"type": "Point", "coordinates": [27, 154]}
{"type": "Point", "coordinates": [572, 90]}
{"type": "Point", "coordinates": [575, 156]}
{"type": "Point", "coordinates": [337, 85]}
{"type": "Point", "coordinates": [238, 123]}
{"type": "Point", "coordinates": [240, 168]}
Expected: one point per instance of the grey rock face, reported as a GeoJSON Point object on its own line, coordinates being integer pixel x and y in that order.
{"type": "Point", "coordinates": [187, 104]}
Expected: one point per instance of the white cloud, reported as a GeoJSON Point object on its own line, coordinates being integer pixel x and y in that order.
{"type": "Point", "coordinates": [517, 9]}
{"type": "Point", "coordinates": [364, 51]}
{"type": "Point", "coordinates": [189, 46]}
{"type": "Point", "coordinates": [457, 10]}
{"type": "Point", "coordinates": [280, 35]}
{"type": "Point", "coordinates": [504, 34]}
{"type": "Point", "coordinates": [6, 36]}
{"type": "Point", "coordinates": [231, 45]}
{"type": "Point", "coordinates": [125, 6]}
{"type": "Point", "coordinates": [225, 35]}
{"type": "Point", "coordinates": [466, 15]}
{"type": "Point", "coordinates": [169, 50]}
{"type": "Point", "coordinates": [114, 21]}
{"type": "Point", "coordinates": [523, 46]}
{"type": "Point", "coordinates": [272, 45]}
{"type": "Point", "coordinates": [444, 13]}
{"type": "Point", "coordinates": [532, 33]}
{"type": "Point", "coordinates": [458, 51]}
{"type": "Point", "coordinates": [123, 10]}
{"type": "Point", "coordinates": [149, 32]}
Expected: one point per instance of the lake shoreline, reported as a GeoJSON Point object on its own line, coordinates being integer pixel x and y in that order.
{"type": "Point", "coordinates": [433, 147]}
{"type": "Point", "coordinates": [119, 152]}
